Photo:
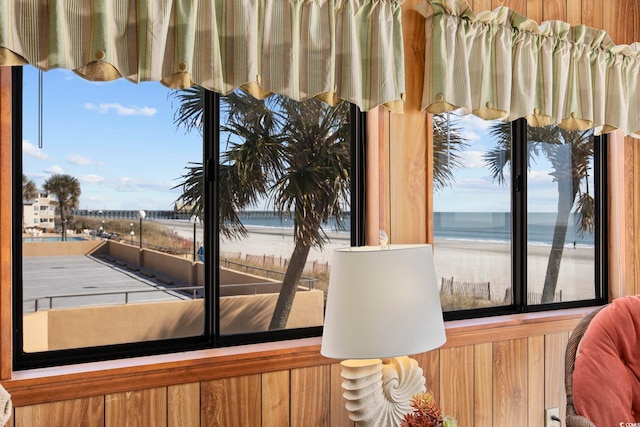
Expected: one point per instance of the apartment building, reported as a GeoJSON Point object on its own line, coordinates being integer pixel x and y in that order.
{"type": "Point", "coordinates": [39, 212]}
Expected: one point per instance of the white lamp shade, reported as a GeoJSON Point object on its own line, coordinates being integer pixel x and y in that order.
{"type": "Point", "coordinates": [382, 302]}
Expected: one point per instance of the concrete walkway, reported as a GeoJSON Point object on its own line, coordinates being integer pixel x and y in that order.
{"type": "Point", "coordinates": [61, 276]}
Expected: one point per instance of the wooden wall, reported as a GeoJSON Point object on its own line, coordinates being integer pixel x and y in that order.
{"type": "Point", "coordinates": [492, 372]}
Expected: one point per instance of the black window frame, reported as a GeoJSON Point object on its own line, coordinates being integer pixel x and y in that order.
{"type": "Point", "coordinates": [519, 234]}
{"type": "Point", "coordinates": [211, 337]}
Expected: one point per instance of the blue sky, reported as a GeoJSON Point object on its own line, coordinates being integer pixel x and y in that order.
{"type": "Point", "coordinates": [474, 190]}
{"type": "Point", "coordinates": [117, 138]}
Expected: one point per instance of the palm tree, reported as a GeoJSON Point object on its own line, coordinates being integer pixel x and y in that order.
{"type": "Point", "coordinates": [295, 154]}
{"type": "Point", "coordinates": [67, 190]}
{"type": "Point", "coordinates": [29, 190]}
{"type": "Point", "coordinates": [561, 148]}
{"type": "Point", "coordinates": [448, 142]}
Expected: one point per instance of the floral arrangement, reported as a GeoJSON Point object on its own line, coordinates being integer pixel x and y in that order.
{"type": "Point", "coordinates": [426, 413]}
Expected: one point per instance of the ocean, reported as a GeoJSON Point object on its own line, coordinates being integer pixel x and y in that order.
{"type": "Point", "coordinates": [496, 226]}
{"type": "Point", "coordinates": [475, 226]}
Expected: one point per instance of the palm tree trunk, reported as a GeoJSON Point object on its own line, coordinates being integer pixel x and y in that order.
{"type": "Point", "coordinates": [289, 286]}
{"type": "Point", "coordinates": [566, 197]}
{"type": "Point", "coordinates": [63, 223]}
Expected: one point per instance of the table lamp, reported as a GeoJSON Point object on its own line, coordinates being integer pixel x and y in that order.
{"type": "Point", "coordinates": [383, 304]}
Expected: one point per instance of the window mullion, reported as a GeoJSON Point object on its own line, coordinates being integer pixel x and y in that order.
{"type": "Point", "coordinates": [211, 138]}
{"type": "Point", "coordinates": [519, 213]}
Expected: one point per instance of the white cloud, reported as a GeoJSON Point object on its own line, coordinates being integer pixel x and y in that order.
{"type": "Point", "coordinates": [126, 184]}
{"type": "Point", "coordinates": [121, 110]}
{"type": "Point", "coordinates": [474, 122]}
{"type": "Point", "coordinates": [91, 179]}
{"type": "Point", "coordinates": [54, 170]}
{"type": "Point", "coordinates": [539, 177]}
{"type": "Point", "coordinates": [78, 160]}
{"type": "Point", "coordinates": [30, 150]}
{"type": "Point", "coordinates": [469, 135]}
{"type": "Point", "coordinates": [473, 159]}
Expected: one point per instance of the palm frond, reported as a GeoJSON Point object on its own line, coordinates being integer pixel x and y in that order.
{"type": "Point", "coordinates": [448, 144]}
{"type": "Point", "coordinates": [585, 207]}
{"type": "Point", "coordinates": [191, 108]}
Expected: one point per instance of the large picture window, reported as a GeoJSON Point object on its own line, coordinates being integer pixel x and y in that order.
{"type": "Point", "coordinates": [151, 220]}
{"type": "Point", "coordinates": [518, 218]}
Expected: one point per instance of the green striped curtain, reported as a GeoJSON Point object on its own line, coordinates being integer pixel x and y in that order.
{"type": "Point", "coordinates": [333, 49]}
{"type": "Point", "coordinates": [502, 65]}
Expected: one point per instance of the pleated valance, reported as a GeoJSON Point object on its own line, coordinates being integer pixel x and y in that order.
{"type": "Point", "coordinates": [502, 65]}
{"type": "Point", "coordinates": [333, 49]}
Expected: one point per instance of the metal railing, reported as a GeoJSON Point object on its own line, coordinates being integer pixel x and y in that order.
{"type": "Point", "coordinates": [301, 283]}
{"type": "Point", "coordinates": [194, 292]}
{"type": "Point", "coordinates": [50, 298]}
{"type": "Point", "coordinates": [245, 269]}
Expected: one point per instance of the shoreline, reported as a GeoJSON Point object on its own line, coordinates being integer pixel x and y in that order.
{"type": "Point", "coordinates": [464, 260]}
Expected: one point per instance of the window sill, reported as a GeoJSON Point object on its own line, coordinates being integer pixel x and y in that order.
{"type": "Point", "coordinates": [68, 382]}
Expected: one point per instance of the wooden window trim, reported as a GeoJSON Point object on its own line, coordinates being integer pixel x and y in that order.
{"type": "Point", "coordinates": [98, 378]}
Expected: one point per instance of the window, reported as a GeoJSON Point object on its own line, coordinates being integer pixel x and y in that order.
{"type": "Point", "coordinates": [154, 233]}
{"type": "Point", "coordinates": [518, 223]}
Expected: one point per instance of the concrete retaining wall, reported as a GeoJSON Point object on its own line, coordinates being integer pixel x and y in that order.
{"type": "Point", "coordinates": [92, 326]}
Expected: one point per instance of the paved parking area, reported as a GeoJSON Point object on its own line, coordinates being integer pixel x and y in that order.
{"type": "Point", "coordinates": [52, 280]}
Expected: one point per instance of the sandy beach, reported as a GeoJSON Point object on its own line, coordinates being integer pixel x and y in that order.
{"type": "Point", "coordinates": [462, 260]}
{"type": "Point", "coordinates": [475, 261]}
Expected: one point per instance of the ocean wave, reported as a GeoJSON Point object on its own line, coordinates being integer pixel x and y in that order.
{"type": "Point", "coordinates": [506, 242]}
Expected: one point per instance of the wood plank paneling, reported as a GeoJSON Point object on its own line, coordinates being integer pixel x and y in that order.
{"type": "Point", "coordinates": [407, 148]}
{"type": "Point", "coordinates": [534, 10]}
{"type": "Point", "coordinates": [183, 405]}
{"type": "Point", "coordinates": [87, 412]}
{"type": "Point", "coordinates": [5, 223]}
{"type": "Point", "coordinates": [519, 6]}
{"type": "Point", "coordinates": [481, 5]}
{"type": "Point", "coordinates": [310, 396]}
{"type": "Point", "coordinates": [554, 350]}
{"type": "Point", "coordinates": [622, 249]}
{"type": "Point", "coordinates": [574, 12]}
{"type": "Point", "coordinates": [483, 385]}
{"type": "Point", "coordinates": [592, 13]}
{"type": "Point", "coordinates": [339, 413]}
{"type": "Point", "coordinates": [489, 383]}
{"type": "Point", "coordinates": [275, 399]}
{"type": "Point", "coordinates": [141, 408]}
{"type": "Point", "coordinates": [554, 10]}
{"type": "Point", "coordinates": [633, 278]}
{"type": "Point", "coordinates": [430, 364]}
{"type": "Point", "coordinates": [456, 383]}
{"type": "Point", "coordinates": [407, 191]}
{"type": "Point", "coordinates": [377, 156]}
{"type": "Point", "coordinates": [231, 402]}
{"type": "Point", "coordinates": [620, 21]}
{"type": "Point", "coordinates": [510, 382]}
{"type": "Point", "coordinates": [536, 380]}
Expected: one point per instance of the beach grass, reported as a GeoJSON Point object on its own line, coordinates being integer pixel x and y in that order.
{"type": "Point", "coordinates": [464, 302]}
{"type": "Point", "coordinates": [258, 269]}
{"type": "Point", "coordinates": [153, 235]}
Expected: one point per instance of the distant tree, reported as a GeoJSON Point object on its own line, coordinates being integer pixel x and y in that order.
{"type": "Point", "coordinates": [66, 189]}
{"type": "Point", "coordinates": [570, 153]}
{"type": "Point", "coordinates": [29, 190]}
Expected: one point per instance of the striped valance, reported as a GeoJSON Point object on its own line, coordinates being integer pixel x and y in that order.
{"type": "Point", "coordinates": [502, 65]}
{"type": "Point", "coordinates": [334, 49]}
